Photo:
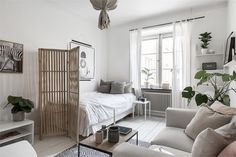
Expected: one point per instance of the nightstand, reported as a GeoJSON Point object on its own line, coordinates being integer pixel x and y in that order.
{"type": "Point", "coordinates": [141, 103]}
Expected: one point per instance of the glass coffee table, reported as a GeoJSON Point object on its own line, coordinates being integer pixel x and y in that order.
{"type": "Point", "coordinates": [106, 147]}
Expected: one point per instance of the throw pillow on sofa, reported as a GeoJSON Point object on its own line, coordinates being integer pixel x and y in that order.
{"type": "Point", "coordinates": [117, 88]}
{"type": "Point", "coordinates": [229, 151]}
{"type": "Point", "coordinates": [208, 143]}
{"type": "Point", "coordinates": [221, 108]}
{"type": "Point", "coordinates": [206, 118]}
{"type": "Point", "coordinates": [105, 87]}
{"type": "Point", "coordinates": [128, 87]}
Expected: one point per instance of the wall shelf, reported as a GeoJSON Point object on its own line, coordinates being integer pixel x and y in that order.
{"type": "Point", "coordinates": [204, 55]}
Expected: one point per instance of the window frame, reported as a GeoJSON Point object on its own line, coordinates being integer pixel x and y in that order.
{"type": "Point", "coordinates": [159, 37]}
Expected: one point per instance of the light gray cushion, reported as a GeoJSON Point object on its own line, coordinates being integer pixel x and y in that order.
{"type": "Point", "coordinates": [175, 138]}
{"type": "Point", "coordinates": [228, 130]}
{"type": "Point", "coordinates": [128, 87]}
{"type": "Point", "coordinates": [117, 88]}
{"type": "Point", "coordinates": [219, 107]}
{"type": "Point", "coordinates": [208, 144]}
{"type": "Point", "coordinates": [206, 118]}
{"type": "Point", "coordinates": [175, 152]}
{"type": "Point", "coordinates": [105, 87]}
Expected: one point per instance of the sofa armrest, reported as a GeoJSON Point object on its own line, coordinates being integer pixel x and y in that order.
{"type": "Point", "coordinates": [179, 118]}
{"type": "Point", "coordinates": [129, 150]}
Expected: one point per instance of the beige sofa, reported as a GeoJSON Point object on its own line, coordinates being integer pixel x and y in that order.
{"type": "Point", "coordinates": [171, 140]}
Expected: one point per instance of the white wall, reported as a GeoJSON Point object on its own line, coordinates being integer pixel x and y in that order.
{"type": "Point", "coordinates": [118, 37]}
{"type": "Point", "coordinates": [40, 24]}
{"type": "Point", "coordinates": [232, 27]}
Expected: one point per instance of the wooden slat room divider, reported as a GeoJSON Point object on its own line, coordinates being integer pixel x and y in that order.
{"type": "Point", "coordinates": [59, 92]}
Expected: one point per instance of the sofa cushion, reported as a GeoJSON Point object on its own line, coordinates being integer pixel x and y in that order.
{"type": "Point", "coordinates": [209, 143]}
{"type": "Point", "coordinates": [221, 108]}
{"type": "Point", "coordinates": [117, 88]}
{"type": "Point", "coordinates": [171, 137]}
{"type": "Point", "coordinates": [206, 118]}
{"type": "Point", "coordinates": [175, 152]}
{"type": "Point", "coordinates": [105, 87]}
{"type": "Point", "coordinates": [229, 151]}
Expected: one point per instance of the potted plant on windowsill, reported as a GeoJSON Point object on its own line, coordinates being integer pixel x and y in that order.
{"type": "Point", "coordinates": [20, 107]}
{"type": "Point", "coordinates": [205, 39]}
{"type": "Point", "coordinates": [148, 76]}
{"type": "Point", "coordinates": [220, 92]}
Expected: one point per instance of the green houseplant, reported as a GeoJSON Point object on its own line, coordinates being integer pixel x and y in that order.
{"type": "Point", "coordinates": [148, 76]}
{"type": "Point", "coordinates": [20, 107]}
{"type": "Point", "coordinates": [220, 92]}
{"type": "Point", "coordinates": [205, 39]}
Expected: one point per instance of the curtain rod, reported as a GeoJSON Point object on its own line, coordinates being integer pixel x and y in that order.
{"type": "Point", "coordinates": [168, 23]}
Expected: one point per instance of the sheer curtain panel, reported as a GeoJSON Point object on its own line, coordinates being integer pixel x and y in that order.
{"type": "Point", "coordinates": [182, 62]}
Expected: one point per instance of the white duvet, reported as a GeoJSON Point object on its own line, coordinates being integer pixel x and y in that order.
{"type": "Point", "coordinates": [97, 107]}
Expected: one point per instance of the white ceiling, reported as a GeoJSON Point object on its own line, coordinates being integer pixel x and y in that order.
{"type": "Point", "coordinates": [131, 10]}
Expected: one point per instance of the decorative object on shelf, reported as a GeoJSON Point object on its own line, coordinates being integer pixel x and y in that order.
{"type": "Point", "coordinates": [99, 137]}
{"type": "Point", "coordinates": [165, 85]}
{"type": "Point", "coordinates": [205, 39]}
{"type": "Point", "coordinates": [141, 98]}
{"type": "Point", "coordinates": [220, 92]}
{"type": "Point", "coordinates": [104, 6]}
{"type": "Point", "coordinates": [148, 76]}
{"type": "Point", "coordinates": [209, 66]}
{"type": "Point", "coordinates": [20, 107]}
{"type": "Point", "coordinates": [104, 129]}
{"type": "Point", "coordinates": [113, 134]}
{"type": "Point", "coordinates": [229, 49]}
{"type": "Point", "coordinates": [210, 51]}
{"type": "Point", "coordinates": [11, 57]}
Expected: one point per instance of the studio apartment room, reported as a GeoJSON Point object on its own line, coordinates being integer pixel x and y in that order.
{"type": "Point", "coordinates": [118, 78]}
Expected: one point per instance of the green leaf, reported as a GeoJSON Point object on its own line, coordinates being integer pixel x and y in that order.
{"type": "Point", "coordinates": [188, 93]}
{"type": "Point", "coordinates": [200, 74]}
{"type": "Point", "coordinates": [13, 99]}
{"type": "Point", "coordinates": [226, 77]}
{"type": "Point", "coordinates": [201, 98]}
{"type": "Point", "coordinates": [226, 100]}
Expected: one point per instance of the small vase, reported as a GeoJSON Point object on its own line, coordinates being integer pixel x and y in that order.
{"type": "Point", "coordinates": [113, 134]}
{"type": "Point", "coordinates": [19, 116]}
{"type": "Point", "coordinates": [99, 137]}
{"type": "Point", "coordinates": [204, 51]}
{"type": "Point", "coordinates": [146, 84]}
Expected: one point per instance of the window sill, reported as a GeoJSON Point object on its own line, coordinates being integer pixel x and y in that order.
{"type": "Point", "coordinates": [156, 90]}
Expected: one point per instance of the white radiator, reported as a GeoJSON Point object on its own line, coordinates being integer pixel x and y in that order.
{"type": "Point", "coordinates": [160, 101]}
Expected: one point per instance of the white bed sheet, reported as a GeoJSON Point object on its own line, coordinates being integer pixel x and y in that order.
{"type": "Point", "coordinates": [97, 107]}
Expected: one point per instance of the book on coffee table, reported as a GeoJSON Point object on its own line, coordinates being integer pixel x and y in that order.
{"type": "Point", "coordinates": [124, 130]}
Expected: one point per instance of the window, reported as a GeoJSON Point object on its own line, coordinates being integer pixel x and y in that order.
{"type": "Point", "coordinates": [156, 59]}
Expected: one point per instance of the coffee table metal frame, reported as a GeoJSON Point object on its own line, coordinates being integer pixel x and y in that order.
{"type": "Point", "coordinates": [135, 133]}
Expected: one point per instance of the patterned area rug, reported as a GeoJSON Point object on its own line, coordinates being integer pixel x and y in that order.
{"type": "Point", "coordinates": [86, 152]}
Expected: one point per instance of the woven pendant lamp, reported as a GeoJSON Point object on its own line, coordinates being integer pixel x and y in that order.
{"type": "Point", "coordinates": [104, 6]}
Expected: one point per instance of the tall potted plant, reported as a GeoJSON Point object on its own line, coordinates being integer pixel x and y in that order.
{"type": "Point", "coordinates": [148, 76]}
{"type": "Point", "coordinates": [20, 107]}
{"type": "Point", "coordinates": [205, 39]}
{"type": "Point", "coordinates": [220, 92]}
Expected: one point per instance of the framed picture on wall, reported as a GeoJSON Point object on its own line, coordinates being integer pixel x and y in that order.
{"type": "Point", "coordinates": [87, 63]}
{"type": "Point", "coordinates": [87, 60]}
{"type": "Point", "coordinates": [11, 57]}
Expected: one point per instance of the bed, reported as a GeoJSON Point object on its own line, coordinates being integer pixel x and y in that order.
{"type": "Point", "coordinates": [97, 109]}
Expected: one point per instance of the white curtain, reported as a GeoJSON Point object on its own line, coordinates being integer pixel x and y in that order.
{"type": "Point", "coordinates": [135, 60]}
{"type": "Point", "coordinates": [182, 62]}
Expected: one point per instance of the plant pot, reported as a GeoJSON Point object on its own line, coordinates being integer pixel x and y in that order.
{"type": "Point", "coordinates": [113, 134]}
{"type": "Point", "coordinates": [204, 51]}
{"type": "Point", "coordinates": [19, 116]}
{"type": "Point", "coordinates": [146, 84]}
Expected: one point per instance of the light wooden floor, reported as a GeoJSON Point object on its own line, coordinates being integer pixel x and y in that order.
{"type": "Point", "coordinates": [148, 129]}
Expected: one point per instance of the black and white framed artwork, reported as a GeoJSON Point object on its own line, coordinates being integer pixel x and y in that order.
{"type": "Point", "coordinates": [87, 63]}
{"type": "Point", "coordinates": [11, 57]}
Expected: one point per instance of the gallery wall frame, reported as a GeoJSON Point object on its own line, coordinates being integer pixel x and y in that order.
{"type": "Point", "coordinates": [87, 60]}
{"type": "Point", "coordinates": [11, 57]}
